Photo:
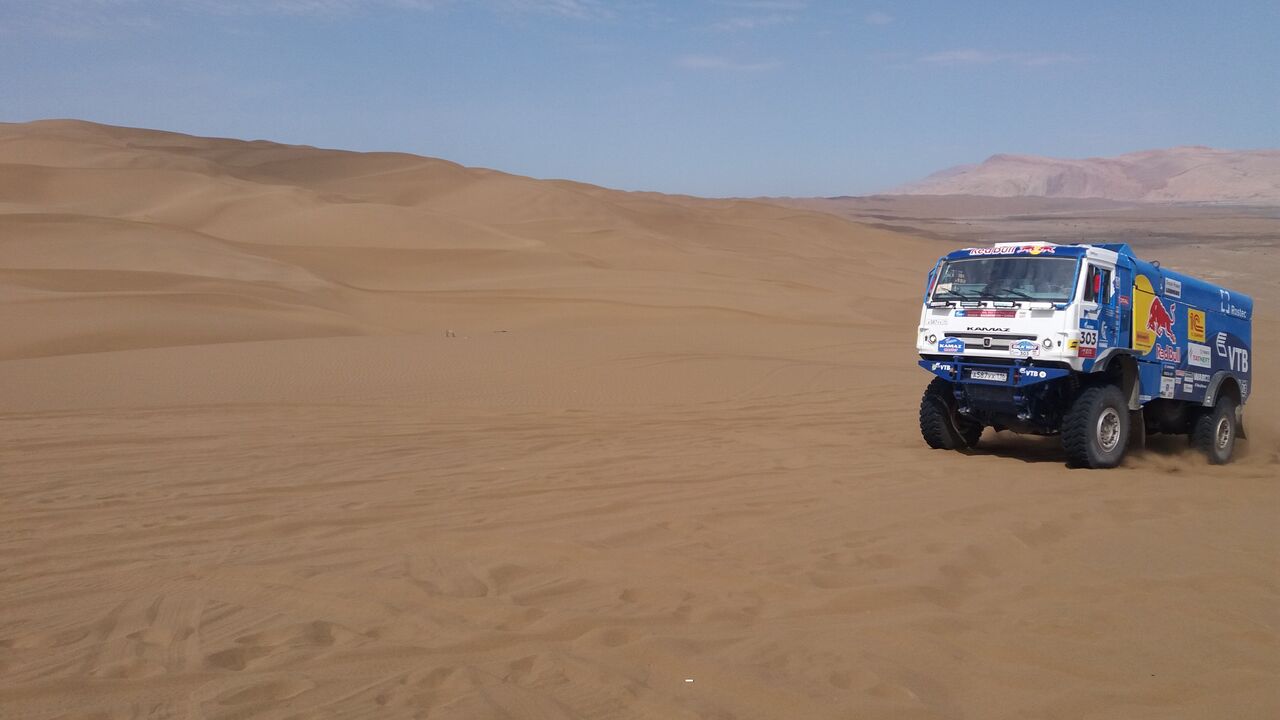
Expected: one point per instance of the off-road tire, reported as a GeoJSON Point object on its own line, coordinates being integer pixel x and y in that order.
{"type": "Point", "coordinates": [940, 426]}
{"type": "Point", "coordinates": [1095, 431]}
{"type": "Point", "coordinates": [1215, 431]}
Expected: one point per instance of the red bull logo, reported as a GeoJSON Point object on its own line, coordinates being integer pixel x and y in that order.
{"type": "Point", "coordinates": [1039, 249]}
{"type": "Point", "coordinates": [1160, 319]}
{"type": "Point", "coordinates": [1036, 249]}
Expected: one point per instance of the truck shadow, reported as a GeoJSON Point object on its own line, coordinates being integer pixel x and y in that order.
{"type": "Point", "coordinates": [1034, 449]}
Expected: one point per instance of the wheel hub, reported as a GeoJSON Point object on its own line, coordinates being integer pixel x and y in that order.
{"type": "Point", "coordinates": [1223, 433]}
{"type": "Point", "coordinates": [1108, 429]}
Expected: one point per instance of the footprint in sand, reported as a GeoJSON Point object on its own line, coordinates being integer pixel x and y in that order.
{"type": "Point", "coordinates": [313, 636]}
{"type": "Point", "coordinates": [267, 692]}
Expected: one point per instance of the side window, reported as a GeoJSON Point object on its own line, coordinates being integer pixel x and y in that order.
{"type": "Point", "coordinates": [1098, 285]}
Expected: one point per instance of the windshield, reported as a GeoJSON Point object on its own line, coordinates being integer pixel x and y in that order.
{"type": "Point", "coordinates": [1036, 279]}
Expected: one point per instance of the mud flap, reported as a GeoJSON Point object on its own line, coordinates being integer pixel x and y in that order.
{"type": "Point", "coordinates": [1137, 431]}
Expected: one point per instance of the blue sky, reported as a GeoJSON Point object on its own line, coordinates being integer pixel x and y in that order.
{"type": "Point", "coordinates": [708, 97]}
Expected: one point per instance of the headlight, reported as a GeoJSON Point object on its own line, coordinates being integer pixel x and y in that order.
{"type": "Point", "coordinates": [931, 339]}
{"type": "Point", "coordinates": [1047, 343]}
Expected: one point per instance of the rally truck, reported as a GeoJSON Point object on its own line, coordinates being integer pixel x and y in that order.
{"type": "Point", "coordinates": [1086, 342]}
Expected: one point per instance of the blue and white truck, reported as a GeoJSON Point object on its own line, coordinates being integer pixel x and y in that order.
{"type": "Point", "coordinates": [1083, 341]}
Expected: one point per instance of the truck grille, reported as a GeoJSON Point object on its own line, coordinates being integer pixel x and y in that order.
{"type": "Point", "coordinates": [989, 341]}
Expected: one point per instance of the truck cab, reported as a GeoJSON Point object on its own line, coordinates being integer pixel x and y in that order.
{"type": "Point", "coordinates": [1086, 341]}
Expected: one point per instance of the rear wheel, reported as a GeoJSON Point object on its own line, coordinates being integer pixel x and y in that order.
{"type": "Point", "coordinates": [1096, 428]}
{"type": "Point", "coordinates": [1215, 432]}
{"type": "Point", "coordinates": [940, 424]}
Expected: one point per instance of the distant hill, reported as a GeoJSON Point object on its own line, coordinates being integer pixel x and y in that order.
{"type": "Point", "coordinates": [1180, 174]}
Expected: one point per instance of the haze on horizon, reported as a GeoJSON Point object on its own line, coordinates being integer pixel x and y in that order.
{"type": "Point", "coordinates": [713, 98]}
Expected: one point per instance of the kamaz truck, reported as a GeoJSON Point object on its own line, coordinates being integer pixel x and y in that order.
{"type": "Point", "coordinates": [1087, 342]}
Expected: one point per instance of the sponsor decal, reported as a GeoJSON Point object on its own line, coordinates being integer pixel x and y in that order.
{"type": "Point", "coordinates": [1152, 319]}
{"type": "Point", "coordinates": [1173, 288]}
{"type": "Point", "coordinates": [1088, 324]}
{"type": "Point", "coordinates": [1237, 357]}
{"type": "Point", "coordinates": [945, 367]}
{"type": "Point", "coordinates": [1195, 325]}
{"type": "Point", "coordinates": [980, 328]}
{"type": "Point", "coordinates": [1169, 371]}
{"type": "Point", "coordinates": [1160, 320]}
{"type": "Point", "coordinates": [1037, 249]}
{"type": "Point", "coordinates": [1014, 250]}
{"type": "Point", "coordinates": [1025, 348]}
{"type": "Point", "coordinates": [1167, 385]}
{"type": "Point", "coordinates": [1073, 344]}
{"type": "Point", "coordinates": [1169, 354]}
{"type": "Point", "coordinates": [1032, 372]}
{"type": "Point", "coordinates": [1226, 308]}
{"type": "Point", "coordinates": [1088, 352]}
{"type": "Point", "coordinates": [951, 345]}
{"type": "Point", "coordinates": [1188, 386]}
{"type": "Point", "coordinates": [1124, 300]}
{"type": "Point", "coordinates": [987, 313]}
{"type": "Point", "coordinates": [1199, 355]}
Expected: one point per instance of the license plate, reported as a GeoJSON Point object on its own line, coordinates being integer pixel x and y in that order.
{"type": "Point", "coordinates": [988, 375]}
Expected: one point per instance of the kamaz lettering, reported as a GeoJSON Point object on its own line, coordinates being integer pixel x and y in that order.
{"type": "Point", "coordinates": [1097, 341]}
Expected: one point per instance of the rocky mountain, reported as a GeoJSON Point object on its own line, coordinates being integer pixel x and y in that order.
{"type": "Point", "coordinates": [1180, 174]}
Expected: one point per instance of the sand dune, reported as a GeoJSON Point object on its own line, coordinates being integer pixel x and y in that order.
{"type": "Point", "coordinates": [293, 432]}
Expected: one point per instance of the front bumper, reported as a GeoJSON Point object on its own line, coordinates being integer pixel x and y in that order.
{"type": "Point", "coordinates": [1018, 373]}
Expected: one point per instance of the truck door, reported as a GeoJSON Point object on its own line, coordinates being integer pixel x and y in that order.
{"type": "Point", "coordinates": [1124, 304]}
{"type": "Point", "coordinates": [1100, 304]}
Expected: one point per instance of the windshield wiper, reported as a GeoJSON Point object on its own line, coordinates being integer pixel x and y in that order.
{"type": "Point", "coordinates": [1019, 293]}
{"type": "Point", "coordinates": [1002, 296]}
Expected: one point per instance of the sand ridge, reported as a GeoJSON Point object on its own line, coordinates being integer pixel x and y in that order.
{"type": "Point", "coordinates": [292, 432]}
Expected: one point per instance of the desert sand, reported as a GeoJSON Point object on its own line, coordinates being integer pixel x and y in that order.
{"type": "Point", "coordinates": [296, 433]}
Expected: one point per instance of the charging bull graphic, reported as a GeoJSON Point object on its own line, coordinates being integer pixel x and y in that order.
{"type": "Point", "coordinates": [1036, 249]}
{"type": "Point", "coordinates": [1160, 319]}
{"type": "Point", "coordinates": [1152, 318]}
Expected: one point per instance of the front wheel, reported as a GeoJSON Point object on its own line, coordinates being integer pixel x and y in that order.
{"type": "Point", "coordinates": [1096, 428]}
{"type": "Point", "coordinates": [940, 424]}
{"type": "Point", "coordinates": [1214, 433]}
